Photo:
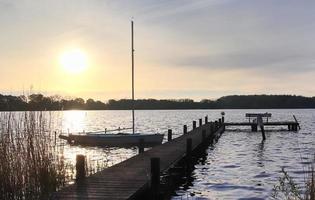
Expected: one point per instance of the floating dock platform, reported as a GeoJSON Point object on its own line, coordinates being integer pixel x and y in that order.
{"type": "Point", "coordinates": [258, 120]}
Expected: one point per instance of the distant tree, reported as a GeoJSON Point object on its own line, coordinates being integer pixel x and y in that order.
{"type": "Point", "coordinates": [41, 102]}
{"type": "Point", "coordinates": [12, 103]}
{"type": "Point", "coordinates": [94, 105]}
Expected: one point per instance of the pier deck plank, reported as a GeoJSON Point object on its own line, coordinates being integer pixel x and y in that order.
{"type": "Point", "coordinates": [126, 179]}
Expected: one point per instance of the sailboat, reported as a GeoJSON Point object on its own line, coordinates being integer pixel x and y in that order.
{"type": "Point", "coordinates": [102, 138]}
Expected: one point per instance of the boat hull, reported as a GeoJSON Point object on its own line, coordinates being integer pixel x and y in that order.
{"type": "Point", "coordinates": [114, 140]}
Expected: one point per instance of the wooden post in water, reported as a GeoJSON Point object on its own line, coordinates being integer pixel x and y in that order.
{"type": "Point", "coordinates": [185, 129]}
{"type": "Point", "coordinates": [212, 128]}
{"type": "Point", "coordinates": [194, 125]}
{"type": "Point", "coordinates": [80, 167]}
{"type": "Point", "coordinates": [206, 119]}
{"type": "Point", "coordinates": [254, 127]}
{"type": "Point", "coordinates": [220, 122]}
{"type": "Point", "coordinates": [188, 157]}
{"type": "Point", "coordinates": [155, 177]}
{"type": "Point", "coordinates": [169, 135]}
{"type": "Point", "coordinates": [223, 120]}
{"type": "Point", "coordinates": [294, 127]}
{"type": "Point", "coordinates": [141, 145]}
{"type": "Point", "coordinates": [298, 127]}
{"type": "Point", "coordinates": [216, 126]}
{"type": "Point", "coordinates": [204, 135]}
{"type": "Point", "coordinates": [200, 122]}
{"type": "Point", "coordinates": [263, 132]}
{"type": "Point", "coordinates": [55, 137]}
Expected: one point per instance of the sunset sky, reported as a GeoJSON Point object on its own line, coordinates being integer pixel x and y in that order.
{"type": "Point", "coordinates": [184, 49]}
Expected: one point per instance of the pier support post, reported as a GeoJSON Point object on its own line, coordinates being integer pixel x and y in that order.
{"type": "Point", "coordinates": [200, 122]}
{"type": "Point", "coordinates": [188, 158]}
{"type": "Point", "coordinates": [254, 127]}
{"type": "Point", "coordinates": [204, 135]}
{"type": "Point", "coordinates": [185, 129]}
{"type": "Point", "coordinates": [212, 127]}
{"type": "Point", "coordinates": [155, 177]}
{"type": "Point", "coordinates": [289, 127]}
{"type": "Point", "coordinates": [194, 125]}
{"type": "Point", "coordinates": [141, 145]}
{"type": "Point", "coordinates": [220, 122]}
{"type": "Point", "coordinates": [55, 137]}
{"type": "Point", "coordinates": [263, 132]}
{"type": "Point", "coordinates": [206, 119]}
{"type": "Point", "coordinates": [188, 153]}
{"type": "Point", "coordinates": [80, 167]}
{"type": "Point", "coordinates": [294, 127]}
{"type": "Point", "coordinates": [216, 126]}
{"type": "Point", "coordinates": [169, 135]}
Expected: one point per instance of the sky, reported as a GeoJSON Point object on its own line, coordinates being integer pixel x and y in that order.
{"type": "Point", "coordinates": [183, 48]}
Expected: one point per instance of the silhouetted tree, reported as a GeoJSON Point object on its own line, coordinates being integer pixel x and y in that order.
{"type": "Point", "coordinates": [41, 102]}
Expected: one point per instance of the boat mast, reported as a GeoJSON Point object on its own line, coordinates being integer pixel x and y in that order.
{"type": "Point", "coordinates": [132, 80]}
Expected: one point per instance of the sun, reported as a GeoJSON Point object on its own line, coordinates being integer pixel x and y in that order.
{"type": "Point", "coordinates": [74, 61]}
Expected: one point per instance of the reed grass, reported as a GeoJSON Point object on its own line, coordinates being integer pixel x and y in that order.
{"type": "Point", "coordinates": [310, 183]}
{"type": "Point", "coordinates": [29, 165]}
{"type": "Point", "coordinates": [288, 189]}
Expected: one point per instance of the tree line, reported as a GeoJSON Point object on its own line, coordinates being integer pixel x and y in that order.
{"type": "Point", "coordinates": [40, 102]}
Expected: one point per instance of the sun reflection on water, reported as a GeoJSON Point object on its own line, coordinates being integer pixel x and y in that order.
{"type": "Point", "coordinates": [74, 121]}
{"type": "Point", "coordinates": [78, 121]}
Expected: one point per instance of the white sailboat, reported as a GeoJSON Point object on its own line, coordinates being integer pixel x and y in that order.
{"type": "Point", "coordinates": [119, 139]}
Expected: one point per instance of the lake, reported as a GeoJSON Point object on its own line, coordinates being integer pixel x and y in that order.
{"type": "Point", "coordinates": [238, 166]}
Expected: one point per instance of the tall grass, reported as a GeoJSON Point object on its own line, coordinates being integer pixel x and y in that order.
{"type": "Point", "coordinates": [29, 164]}
{"type": "Point", "coordinates": [288, 189]}
{"type": "Point", "coordinates": [310, 183]}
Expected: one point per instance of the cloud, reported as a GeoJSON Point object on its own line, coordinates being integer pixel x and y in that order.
{"type": "Point", "coordinates": [249, 34]}
{"type": "Point", "coordinates": [268, 60]}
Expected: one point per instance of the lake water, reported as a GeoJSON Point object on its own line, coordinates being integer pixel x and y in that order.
{"type": "Point", "coordinates": [238, 166]}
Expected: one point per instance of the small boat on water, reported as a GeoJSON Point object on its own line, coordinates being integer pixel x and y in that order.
{"type": "Point", "coordinates": [120, 139]}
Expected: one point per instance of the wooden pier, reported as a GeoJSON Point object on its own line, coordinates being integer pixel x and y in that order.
{"type": "Point", "coordinates": [132, 177]}
{"type": "Point", "coordinates": [289, 124]}
{"type": "Point", "coordinates": [283, 123]}
{"type": "Point", "coordinates": [292, 125]}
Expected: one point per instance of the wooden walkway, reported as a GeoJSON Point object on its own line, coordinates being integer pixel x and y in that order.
{"type": "Point", "coordinates": [284, 123]}
{"type": "Point", "coordinates": [292, 125]}
{"type": "Point", "coordinates": [131, 177]}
